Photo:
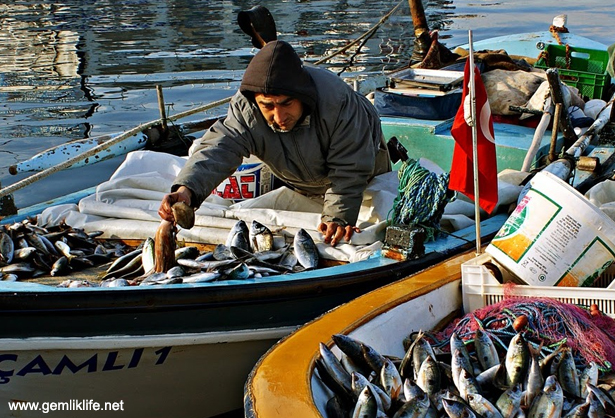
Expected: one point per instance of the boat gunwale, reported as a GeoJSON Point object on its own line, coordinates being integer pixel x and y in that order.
{"type": "Point", "coordinates": [301, 350]}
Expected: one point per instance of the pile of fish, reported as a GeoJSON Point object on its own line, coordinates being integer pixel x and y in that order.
{"type": "Point", "coordinates": [28, 250]}
{"type": "Point", "coordinates": [473, 380]}
{"type": "Point", "coordinates": [247, 253]}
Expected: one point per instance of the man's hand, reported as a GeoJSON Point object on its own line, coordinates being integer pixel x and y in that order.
{"type": "Point", "coordinates": [334, 232]}
{"type": "Point", "coordinates": [183, 194]}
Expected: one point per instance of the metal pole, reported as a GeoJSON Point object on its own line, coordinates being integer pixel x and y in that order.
{"type": "Point", "coordinates": [472, 90]}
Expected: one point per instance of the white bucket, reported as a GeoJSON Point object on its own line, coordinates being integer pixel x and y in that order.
{"type": "Point", "coordinates": [251, 179]}
{"type": "Point", "coordinates": [555, 236]}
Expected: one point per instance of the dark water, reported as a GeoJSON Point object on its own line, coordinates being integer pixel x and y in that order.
{"type": "Point", "coordinates": [75, 69]}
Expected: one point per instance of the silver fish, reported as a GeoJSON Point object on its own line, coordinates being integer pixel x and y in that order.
{"type": "Point", "coordinates": [366, 405]}
{"type": "Point", "coordinates": [305, 249]}
{"type": "Point", "coordinates": [482, 406]}
{"type": "Point", "coordinates": [186, 252]}
{"type": "Point", "coordinates": [60, 267]}
{"type": "Point", "coordinates": [509, 402]}
{"type": "Point", "coordinates": [8, 277]}
{"type": "Point", "coordinates": [114, 283]}
{"type": "Point", "coordinates": [148, 255]}
{"type": "Point", "coordinates": [239, 236]}
{"type": "Point", "coordinates": [588, 375]}
{"type": "Point", "coordinates": [7, 248]}
{"type": "Point", "coordinates": [335, 369]}
{"type": "Point", "coordinates": [428, 377]}
{"type": "Point", "coordinates": [177, 271]}
{"type": "Point", "coordinates": [358, 384]}
{"type": "Point", "coordinates": [414, 408]}
{"type": "Point", "coordinates": [64, 249]}
{"type": "Point", "coordinates": [567, 375]}
{"type": "Point", "coordinates": [485, 350]}
{"type": "Point", "coordinates": [456, 409]}
{"type": "Point", "coordinates": [23, 254]}
{"type": "Point", "coordinates": [517, 360]}
{"type": "Point", "coordinates": [206, 276]}
{"type": "Point", "coordinates": [534, 381]}
{"type": "Point", "coordinates": [390, 380]}
{"type": "Point", "coordinates": [459, 363]}
{"type": "Point", "coordinates": [238, 272]}
{"type": "Point", "coordinates": [549, 403]}
{"type": "Point", "coordinates": [261, 238]}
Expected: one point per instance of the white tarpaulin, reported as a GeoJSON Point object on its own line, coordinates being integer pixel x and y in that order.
{"type": "Point", "coordinates": [126, 206]}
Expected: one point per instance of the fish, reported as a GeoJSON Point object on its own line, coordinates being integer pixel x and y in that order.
{"type": "Point", "coordinates": [334, 371]}
{"type": "Point", "coordinates": [65, 249]}
{"type": "Point", "coordinates": [483, 407]}
{"type": "Point", "coordinates": [164, 246]}
{"type": "Point", "coordinates": [358, 382]}
{"type": "Point", "coordinates": [261, 238]}
{"type": "Point", "coordinates": [7, 248]}
{"type": "Point", "coordinates": [567, 374]}
{"type": "Point", "coordinates": [148, 256]}
{"type": "Point", "coordinates": [485, 349]}
{"type": "Point", "coordinates": [428, 376]}
{"type": "Point", "coordinates": [305, 249]}
{"type": "Point", "coordinates": [417, 407]}
{"type": "Point", "coordinates": [366, 405]}
{"type": "Point", "coordinates": [516, 362]}
{"type": "Point", "coordinates": [239, 236]}
{"type": "Point", "coordinates": [114, 283]}
{"type": "Point", "coordinates": [203, 277]}
{"type": "Point", "coordinates": [183, 215]}
{"type": "Point", "coordinates": [509, 402]}
{"type": "Point", "coordinates": [60, 267]}
{"type": "Point", "coordinates": [390, 380]}
{"type": "Point", "coordinates": [549, 403]}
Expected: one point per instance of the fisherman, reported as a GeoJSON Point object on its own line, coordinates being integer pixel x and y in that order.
{"type": "Point", "coordinates": [312, 130]}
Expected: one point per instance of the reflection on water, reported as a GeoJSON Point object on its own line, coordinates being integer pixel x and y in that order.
{"type": "Point", "coordinates": [73, 69]}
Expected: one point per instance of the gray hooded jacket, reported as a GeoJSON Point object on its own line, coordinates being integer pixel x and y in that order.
{"type": "Point", "coordinates": [335, 150]}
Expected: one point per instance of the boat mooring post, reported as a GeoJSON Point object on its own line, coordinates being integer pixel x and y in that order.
{"type": "Point", "coordinates": [7, 205]}
{"type": "Point", "coordinates": [163, 113]}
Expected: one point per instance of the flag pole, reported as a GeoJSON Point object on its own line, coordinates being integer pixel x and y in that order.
{"type": "Point", "coordinates": [474, 143]}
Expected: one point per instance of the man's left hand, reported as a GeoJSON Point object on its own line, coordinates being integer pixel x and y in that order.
{"type": "Point", "coordinates": [334, 232]}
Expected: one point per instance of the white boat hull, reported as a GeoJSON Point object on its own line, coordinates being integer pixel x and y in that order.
{"type": "Point", "coordinates": [161, 376]}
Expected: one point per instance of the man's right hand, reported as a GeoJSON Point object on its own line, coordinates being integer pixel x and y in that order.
{"type": "Point", "coordinates": [183, 194]}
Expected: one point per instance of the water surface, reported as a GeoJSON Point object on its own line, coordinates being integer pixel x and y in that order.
{"type": "Point", "coordinates": [74, 69]}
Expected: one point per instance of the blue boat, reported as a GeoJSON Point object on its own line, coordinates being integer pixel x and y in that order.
{"type": "Point", "coordinates": [185, 350]}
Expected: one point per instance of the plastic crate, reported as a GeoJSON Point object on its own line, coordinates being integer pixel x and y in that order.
{"type": "Point", "coordinates": [481, 288]}
{"type": "Point", "coordinates": [582, 68]}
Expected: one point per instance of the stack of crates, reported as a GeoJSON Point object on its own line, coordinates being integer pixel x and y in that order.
{"type": "Point", "coordinates": [582, 68]}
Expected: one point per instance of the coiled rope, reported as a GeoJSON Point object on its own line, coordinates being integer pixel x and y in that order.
{"type": "Point", "coordinates": [421, 198]}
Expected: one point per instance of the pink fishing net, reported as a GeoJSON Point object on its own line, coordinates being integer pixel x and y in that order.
{"type": "Point", "coordinates": [550, 323]}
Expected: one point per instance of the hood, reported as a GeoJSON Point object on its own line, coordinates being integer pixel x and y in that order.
{"type": "Point", "coordinates": [277, 69]}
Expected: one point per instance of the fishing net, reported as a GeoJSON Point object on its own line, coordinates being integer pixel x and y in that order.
{"type": "Point", "coordinates": [421, 198]}
{"type": "Point", "coordinates": [550, 324]}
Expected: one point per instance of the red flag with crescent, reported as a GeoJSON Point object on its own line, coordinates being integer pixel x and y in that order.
{"type": "Point", "coordinates": [462, 172]}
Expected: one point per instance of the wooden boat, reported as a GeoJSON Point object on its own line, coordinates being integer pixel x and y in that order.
{"type": "Point", "coordinates": [284, 382]}
{"type": "Point", "coordinates": [154, 348]}
{"type": "Point", "coordinates": [185, 350]}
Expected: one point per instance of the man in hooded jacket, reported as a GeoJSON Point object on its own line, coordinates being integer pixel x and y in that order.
{"type": "Point", "coordinates": [311, 129]}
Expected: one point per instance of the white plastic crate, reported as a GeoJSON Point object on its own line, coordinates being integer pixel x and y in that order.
{"type": "Point", "coordinates": [480, 288]}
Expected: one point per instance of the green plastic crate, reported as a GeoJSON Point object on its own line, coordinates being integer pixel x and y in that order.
{"type": "Point", "coordinates": [582, 68]}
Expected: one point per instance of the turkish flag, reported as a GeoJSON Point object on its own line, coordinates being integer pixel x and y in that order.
{"type": "Point", "coordinates": [462, 172]}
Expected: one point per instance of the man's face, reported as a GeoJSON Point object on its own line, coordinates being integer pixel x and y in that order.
{"type": "Point", "coordinates": [281, 112]}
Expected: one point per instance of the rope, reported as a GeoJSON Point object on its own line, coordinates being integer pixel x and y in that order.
{"type": "Point", "coordinates": [551, 324]}
{"type": "Point", "coordinates": [421, 198]}
{"type": "Point", "coordinates": [368, 34]}
{"type": "Point", "coordinates": [66, 164]}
